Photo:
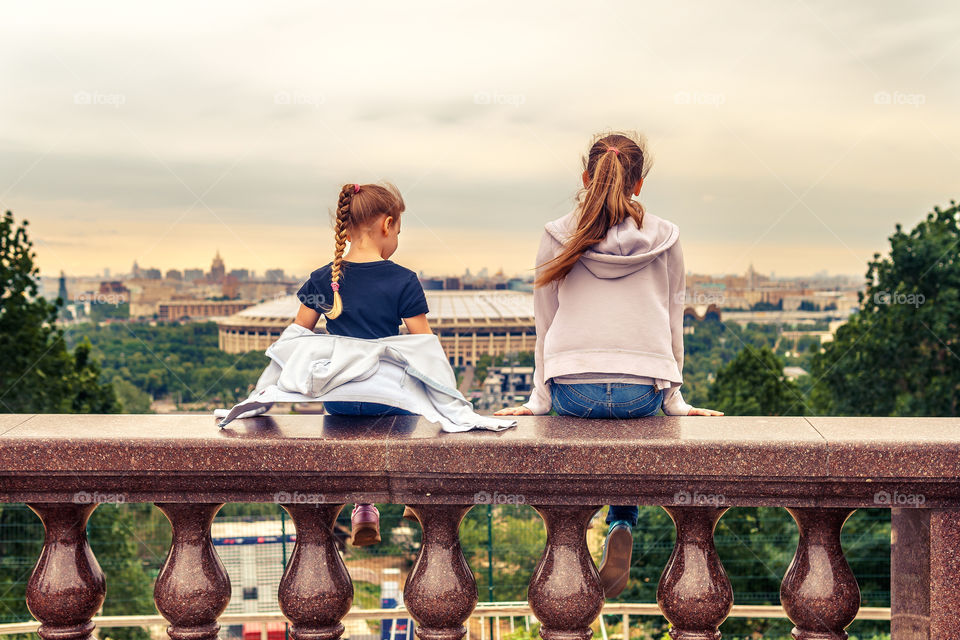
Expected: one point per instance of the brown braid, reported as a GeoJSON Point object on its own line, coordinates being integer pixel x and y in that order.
{"type": "Point", "coordinates": [340, 239]}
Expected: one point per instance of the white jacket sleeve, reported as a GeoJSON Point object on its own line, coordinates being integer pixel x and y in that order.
{"type": "Point", "coordinates": [673, 402]}
{"type": "Point", "coordinates": [545, 303]}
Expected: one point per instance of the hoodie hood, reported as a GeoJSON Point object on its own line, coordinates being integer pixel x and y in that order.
{"type": "Point", "coordinates": [625, 249]}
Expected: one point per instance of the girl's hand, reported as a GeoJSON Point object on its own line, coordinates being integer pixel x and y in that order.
{"type": "Point", "coordinates": [695, 411]}
{"type": "Point", "coordinates": [513, 411]}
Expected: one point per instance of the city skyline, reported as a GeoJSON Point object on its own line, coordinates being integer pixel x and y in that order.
{"type": "Point", "coordinates": [485, 271]}
{"type": "Point", "coordinates": [129, 147]}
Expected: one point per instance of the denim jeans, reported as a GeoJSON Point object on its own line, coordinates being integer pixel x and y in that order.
{"type": "Point", "coordinates": [608, 400]}
{"type": "Point", "coordinates": [345, 408]}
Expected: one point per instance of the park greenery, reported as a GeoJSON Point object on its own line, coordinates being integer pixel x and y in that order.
{"type": "Point", "coordinates": [898, 355]}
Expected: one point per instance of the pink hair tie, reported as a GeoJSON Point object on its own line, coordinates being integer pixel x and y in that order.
{"type": "Point", "coordinates": [356, 188]}
{"type": "Point", "coordinates": [335, 286]}
{"type": "Point", "coordinates": [614, 149]}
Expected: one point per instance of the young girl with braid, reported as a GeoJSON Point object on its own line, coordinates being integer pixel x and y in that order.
{"type": "Point", "coordinates": [365, 295]}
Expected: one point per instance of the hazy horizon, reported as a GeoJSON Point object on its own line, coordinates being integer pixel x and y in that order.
{"type": "Point", "coordinates": [790, 136]}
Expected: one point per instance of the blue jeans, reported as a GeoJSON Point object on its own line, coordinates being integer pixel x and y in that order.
{"type": "Point", "coordinates": [608, 400]}
{"type": "Point", "coordinates": [345, 408]}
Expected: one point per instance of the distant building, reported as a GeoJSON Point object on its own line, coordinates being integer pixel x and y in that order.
{"type": "Point", "coordinates": [64, 298]}
{"type": "Point", "coordinates": [152, 274]}
{"type": "Point", "coordinates": [792, 373]}
{"type": "Point", "coordinates": [452, 284]}
{"type": "Point", "coordinates": [217, 270]}
{"type": "Point", "coordinates": [190, 275]}
{"type": "Point", "coordinates": [274, 275]}
{"type": "Point", "coordinates": [242, 275]}
{"type": "Point", "coordinates": [170, 310]}
{"type": "Point", "coordinates": [112, 292]}
{"type": "Point", "coordinates": [506, 386]}
{"type": "Point", "coordinates": [231, 287]}
{"type": "Point", "coordinates": [432, 284]}
{"type": "Point", "coordinates": [173, 274]}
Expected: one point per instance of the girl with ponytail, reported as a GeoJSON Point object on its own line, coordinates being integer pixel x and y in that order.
{"type": "Point", "coordinates": [608, 302]}
{"type": "Point", "coordinates": [363, 294]}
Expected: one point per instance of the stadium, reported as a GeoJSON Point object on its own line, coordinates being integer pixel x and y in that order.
{"type": "Point", "coordinates": [468, 323]}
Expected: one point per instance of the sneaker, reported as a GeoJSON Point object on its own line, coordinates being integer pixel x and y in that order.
{"type": "Point", "coordinates": [365, 520]}
{"type": "Point", "coordinates": [615, 563]}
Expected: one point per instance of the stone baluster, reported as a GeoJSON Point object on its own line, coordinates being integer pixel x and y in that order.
{"type": "Point", "coordinates": [819, 591]}
{"type": "Point", "coordinates": [192, 588]}
{"type": "Point", "coordinates": [694, 592]}
{"type": "Point", "coordinates": [315, 591]}
{"type": "Point", "coordinates": [440, 592]}
{"type": "Point", "coordinates": [66, 588]}
{"type": "Point", "coordinates": [565, 591]}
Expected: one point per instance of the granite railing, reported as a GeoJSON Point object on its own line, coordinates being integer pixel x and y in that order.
{"type": "Point", "coordinates": [820, 469]}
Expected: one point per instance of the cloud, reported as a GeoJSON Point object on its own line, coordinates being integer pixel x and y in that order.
{"type": "Point", "coordinates": [763, 119]}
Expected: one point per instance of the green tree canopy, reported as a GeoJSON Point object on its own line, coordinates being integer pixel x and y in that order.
{"type": "Point", "coordinates": [753, 384]}
{"type": "Point", "coordinates": [38, 374]}
{"type": "Point", "coordinates": [899, 355]}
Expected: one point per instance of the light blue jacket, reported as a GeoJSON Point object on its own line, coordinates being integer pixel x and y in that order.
{"type": "Point", "coordinates": [406, 371]}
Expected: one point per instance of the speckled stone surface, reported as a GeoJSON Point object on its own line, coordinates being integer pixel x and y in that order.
{"type": "Point", "coordinates": [67, 586]}
{"type": "Point", "coordinates": [656, 446]}
{"type": "Point", "coordinates": [891, 447]}
{"type": "Point", "coordinates": [694, 592]}
{"type": "Point", "coordinates": [565, 592]}
{"type": "Point", "coordinates": [821, 468]}
{"type": "Point", "coordinates": [192, 588]}
{"type": "Point", "coordinates": [944, 574]}
{"type": "Point", "coordinates": [315, 591]}
{"type": "Point", "coordinates": [819, 591]}
{"type": "Point", "coordinates": [910, 574]}
{"type": "Point", "coordinates": [404, 459]}
{"type": "Point", "coordinates": [440, 592]}
{"type": "Point", "coordinates": [925, 574]}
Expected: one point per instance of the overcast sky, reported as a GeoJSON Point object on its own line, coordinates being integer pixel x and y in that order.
{"type": "Point", "coordinates": [792, 135]}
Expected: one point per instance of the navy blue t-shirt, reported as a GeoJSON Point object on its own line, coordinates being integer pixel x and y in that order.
{"type": "Point", "coordinates": [376, 296]}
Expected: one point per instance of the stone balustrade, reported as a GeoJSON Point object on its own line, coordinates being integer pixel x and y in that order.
{"type": "Point", "coordinates": [820, 469]}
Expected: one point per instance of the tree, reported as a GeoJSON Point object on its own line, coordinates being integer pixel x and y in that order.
{"type": "Point", "coordinates": [753, 384]}
{"type": "Point", "coordinates": [38, 374]}
{"type": "Point", "coordinates": [899, 354]}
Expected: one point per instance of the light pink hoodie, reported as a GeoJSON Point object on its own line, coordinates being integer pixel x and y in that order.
{"type": "Point", "coordinates": [618, 311]}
